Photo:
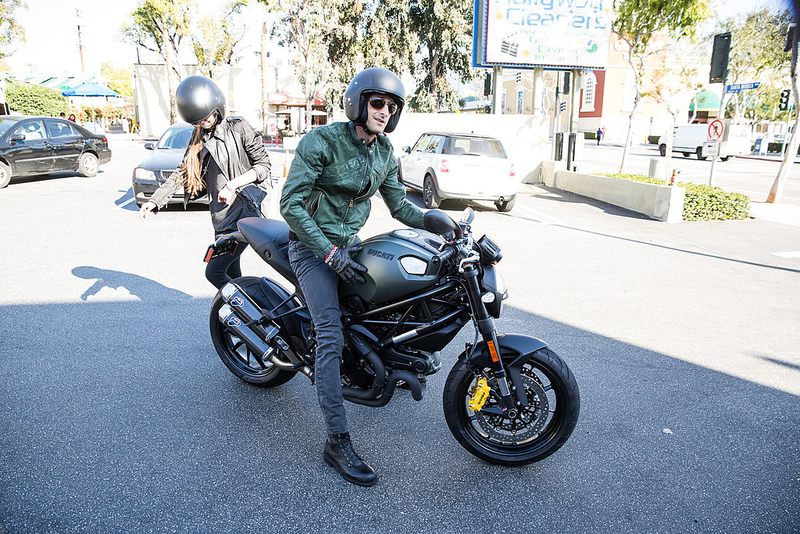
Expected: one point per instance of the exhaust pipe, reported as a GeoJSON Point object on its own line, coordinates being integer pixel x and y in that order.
{"type": "Point", "coordinates": [244, 317]}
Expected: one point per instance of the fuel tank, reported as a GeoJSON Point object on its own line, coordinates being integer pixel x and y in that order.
{"type": "Point", "coordinates": [399, 263]}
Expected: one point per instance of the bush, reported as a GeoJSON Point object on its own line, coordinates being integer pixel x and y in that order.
{"type": "Point", "coordinates": [653, 139]}
{"type": "Point", "coordinates": [702, 202]}
{"type": "Point", "coordinates": [32, 99]}
{"type": "Point", "coordinates": [590, 135]}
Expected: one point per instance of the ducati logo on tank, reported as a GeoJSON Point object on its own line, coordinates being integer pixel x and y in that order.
{"type": "Point", "coordinates": [380, 254]}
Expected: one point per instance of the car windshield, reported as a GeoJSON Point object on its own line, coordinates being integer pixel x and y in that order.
{"type": "Point", "coordinates": [491, 148]}
{"type": "Point", "coordinates": [7, 124]}
{"type": "Point", "coordinates": [175, 138]}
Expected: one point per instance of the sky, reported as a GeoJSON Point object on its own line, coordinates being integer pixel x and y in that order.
{"type": "Point", "coordinates": [51, 35]}
{"type": "Point", "coordinates": [51, 32]}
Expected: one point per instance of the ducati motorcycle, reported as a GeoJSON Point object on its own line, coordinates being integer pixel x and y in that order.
{"type": "Point", "coordinates": [508, 399]}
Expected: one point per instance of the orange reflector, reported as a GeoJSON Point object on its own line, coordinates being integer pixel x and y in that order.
{"type": "Point", "coordinates": [493, 352]}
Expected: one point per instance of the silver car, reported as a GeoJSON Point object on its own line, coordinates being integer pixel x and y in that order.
{"type": "Point", "coordinates": [445, 165]}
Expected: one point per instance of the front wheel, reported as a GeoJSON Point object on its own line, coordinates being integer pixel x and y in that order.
{"type": "Point", "coordinates": [537, 431]}
{"type": "Point", "coordinates": [662, 149]}
{"type": "Point", "coordinates": [5, 175]}
{"type": "Point", "coordinates": [429, 194]}
{"type": "Point", "coordinates": [236, 356]}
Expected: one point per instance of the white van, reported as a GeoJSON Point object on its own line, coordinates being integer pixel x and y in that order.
{"type": "Point", "coordinates": [693, 139]}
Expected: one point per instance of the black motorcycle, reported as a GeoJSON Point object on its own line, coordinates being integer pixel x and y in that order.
{"type": "Point", "coordinates": [508, 399]}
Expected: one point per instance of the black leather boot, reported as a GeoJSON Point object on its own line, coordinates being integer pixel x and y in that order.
{"type": "Point", "coordinates": [340, 455]}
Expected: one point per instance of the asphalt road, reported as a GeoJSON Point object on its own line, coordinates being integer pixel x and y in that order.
{"type": "Point", "coordinates": [116, 415]}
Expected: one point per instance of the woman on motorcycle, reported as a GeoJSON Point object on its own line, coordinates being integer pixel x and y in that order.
{"type": "Point", "coordinates": [225, 154]}
{"type": "Point", "coordinates": [326, 201]}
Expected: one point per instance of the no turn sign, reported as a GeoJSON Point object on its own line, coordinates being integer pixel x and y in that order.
{"type": "Point", "coordinates": [715, 129]}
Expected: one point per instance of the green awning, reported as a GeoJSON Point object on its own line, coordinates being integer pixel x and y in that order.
{"type": "Point", "coordinates": [706, 101]}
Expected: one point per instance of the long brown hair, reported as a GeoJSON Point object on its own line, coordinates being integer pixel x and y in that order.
{"type": "Point", "coordinates": [192, 180]}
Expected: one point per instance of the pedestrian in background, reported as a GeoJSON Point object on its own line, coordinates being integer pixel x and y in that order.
{"type": "Point", "coordinates": [599, 135]}
{"type": "Point", "coordinates": [224, 156]}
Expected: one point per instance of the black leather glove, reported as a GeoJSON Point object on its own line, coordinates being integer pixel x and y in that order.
{"type": "Point", "coordinates": [340, 261]}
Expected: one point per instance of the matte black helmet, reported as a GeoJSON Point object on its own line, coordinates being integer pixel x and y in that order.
{"type": "Point", "coordinates": [197, 97]}
{"type": "Point", "coordinates": [371, 81]}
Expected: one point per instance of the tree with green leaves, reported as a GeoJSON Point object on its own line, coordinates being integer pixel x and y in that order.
{"type": "Point", "coordinates": [443, 31]}
{"type": "Point", "coordinates": [637, 22]}
{"type": "Point", "coordinates": [216, 38]}
{"type": "Point", "coordinates": [118, 78]}
{"type": "Point", "coordinates": [10, 29]}
{"type": "Point", "coordinates": [159, 26]}
{"type": "Point", "coordinates": [757, 42]}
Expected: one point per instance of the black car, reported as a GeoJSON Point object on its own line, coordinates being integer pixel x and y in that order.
{"type": "Point", "coordinates": [41, 145]}
{"type": "Point", "coordinates": [167, 154]}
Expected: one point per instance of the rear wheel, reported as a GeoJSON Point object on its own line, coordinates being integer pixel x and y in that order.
{"type": "Point", "coordinates": [429, 194]}
{"type": "Point", "coordinates": [505, 205]}
{"type": "Point", "coordinates": [5, 174]}
{"type": "Point", "coordinates": [662, 149]}
{"type": "Point", "coordinates": [686, 154]}
{"type": "Point", "coordinates": [699, 153]}
{"type": "Point", "coordinates": [536, 432]}
{"type": "Point", "coordinates": [88, 165]}
{"type": "Point", "coordinates": [236, 356]}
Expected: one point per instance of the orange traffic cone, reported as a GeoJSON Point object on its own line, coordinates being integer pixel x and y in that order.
{"type": "Point", "coordinates": [286, 164]}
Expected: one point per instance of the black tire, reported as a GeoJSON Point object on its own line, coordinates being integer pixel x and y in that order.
{"type": "Point", "coordinates": [539, 431]}
{"type": "Point", "coordinates": [686, 154]}
{"type": "Point", "coordinates": [506, 205]}
{"type": "Point", "coordinates": [429, 194]}
{"type": "Point", "coordinates": [232, 350]}
{"type": "Point", "coordinates": [88, 165]}
{"type": "Point", "coordinates": [699, 153]}
{"type": "Point", "coordinates": [662, 149]}
{"type": "Point", "coordinates": [726, 158]}
{"type": "Point", "coordinates": [5, 175]}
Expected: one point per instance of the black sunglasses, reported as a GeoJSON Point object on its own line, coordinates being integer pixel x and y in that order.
{"type": "Point", "coordinates": [377, 103]}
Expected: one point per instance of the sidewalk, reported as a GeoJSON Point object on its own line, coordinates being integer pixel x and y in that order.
{"type": "Point", "coordinates": [780, 213]}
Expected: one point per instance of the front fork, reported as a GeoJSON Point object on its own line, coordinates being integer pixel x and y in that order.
{"type": "Point", "coordinates": [487, 330]}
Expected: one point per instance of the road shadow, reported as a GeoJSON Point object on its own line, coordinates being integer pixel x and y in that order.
{"type": "Point", "coordinates": [121, 284]}
{"type": "Point", "coordinates": [121, 417]}
{"type": "Point", "coordinates": [19, 180]}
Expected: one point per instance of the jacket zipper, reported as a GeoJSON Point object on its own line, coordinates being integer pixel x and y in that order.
{"type": "Point", "coordinates": [350, 205]}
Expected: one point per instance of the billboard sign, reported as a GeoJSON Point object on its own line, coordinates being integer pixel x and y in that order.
{"type": "Point", "coordinates": [558, 34]}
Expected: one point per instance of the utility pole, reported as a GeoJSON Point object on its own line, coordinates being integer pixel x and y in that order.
{"type": "Point", "coordinates": [80, 46]}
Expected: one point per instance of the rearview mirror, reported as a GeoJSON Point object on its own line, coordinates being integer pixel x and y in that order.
{"type": "Point", "coordinates": [150, 146]}
{"type": "Point", "coordinates": [18, 137]}
{"type": "Point", "coordinates": [407, 149]}
{"type": "Point", "coordinates": [441, 223]}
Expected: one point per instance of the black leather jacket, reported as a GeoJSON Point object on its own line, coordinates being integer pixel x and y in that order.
{"type": "Point", "coordinates": [235, 148]}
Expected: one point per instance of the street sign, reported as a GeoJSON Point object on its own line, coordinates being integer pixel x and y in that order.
{"type": "Point", "coordinates": [715, 129]}
{"type": "Point", "coordinates": [739, 87]}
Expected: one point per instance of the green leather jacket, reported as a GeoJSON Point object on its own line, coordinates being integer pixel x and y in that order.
{"type": "Point", "coordinates": [326, 198]}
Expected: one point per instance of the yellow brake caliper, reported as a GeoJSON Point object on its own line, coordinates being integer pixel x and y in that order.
{"type": "Point", "coordinates": [479, 395]}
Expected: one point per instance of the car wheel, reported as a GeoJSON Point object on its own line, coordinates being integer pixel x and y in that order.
{"type": "Point", "coordinates": [699, 153]}
{"type": "Point", "coordinates": [429, 195]}
{"type": "Point", "coordinates": [88, 165]}
{"type": "Point", "coordinates": [506, 205]}
{"type": "Point", "coordinates": [662, 149]}
{"type": "Point", "coordinates": [5, 174]}
{"type": "Point", "coordinates": [686, 154]}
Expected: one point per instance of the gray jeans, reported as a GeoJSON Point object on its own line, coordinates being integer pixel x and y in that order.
{"type": "Point", "coordinates": [320, 286]}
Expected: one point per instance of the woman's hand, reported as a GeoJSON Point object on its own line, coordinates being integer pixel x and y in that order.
{"type": "Point", "coordinates": [226, 194]}
{"type": "Point", "coordinates": [146, 208]}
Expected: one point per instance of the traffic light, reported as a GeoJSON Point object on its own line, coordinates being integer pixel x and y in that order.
{"type": "Point", "coordinates": [784, 103]}
{"type": "Point", "coordinates": [719, 58]}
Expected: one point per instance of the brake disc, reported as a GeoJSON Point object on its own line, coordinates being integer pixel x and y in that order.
{"type": "Point", "coordinates": [528, 423]}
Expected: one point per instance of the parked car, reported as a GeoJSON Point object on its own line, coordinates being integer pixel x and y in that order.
{"type": "Point", "coordinates": [691, 139]}
{"type": "Point", "coordinates": [459, 166]}
{"type": "Point", "coordinates": [42, 145]}
{"type": "Point", "coordinates": [167, 154]}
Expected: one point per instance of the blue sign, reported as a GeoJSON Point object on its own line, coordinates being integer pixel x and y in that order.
{"type": "Point", "coordinates": [739, 87]}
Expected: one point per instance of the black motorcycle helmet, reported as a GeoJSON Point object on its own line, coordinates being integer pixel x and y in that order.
{"type": "Point", "coordinates": [197, 97]}
{"type": "Point", "coordinates": [374, 80]}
